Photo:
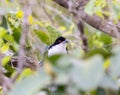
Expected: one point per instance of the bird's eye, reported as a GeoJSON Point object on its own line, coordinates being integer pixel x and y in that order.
{"type": "Point", "coordinates": [59, 41]}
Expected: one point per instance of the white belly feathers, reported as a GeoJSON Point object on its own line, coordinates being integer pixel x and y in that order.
{"type": "Point", "coordinates": [57, 49]}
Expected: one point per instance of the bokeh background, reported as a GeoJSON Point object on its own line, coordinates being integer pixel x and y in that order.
{"type": "Point", "coordinates": [38, 23]}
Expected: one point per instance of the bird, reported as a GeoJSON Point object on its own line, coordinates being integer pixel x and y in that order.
{"type": "Point", "coordinates": [58, 47]}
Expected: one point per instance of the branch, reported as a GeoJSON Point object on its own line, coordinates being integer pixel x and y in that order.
{"type": "Point", "coordinates": [95, 21]}
{"type": "Point", "coordinates": [28, 63]}
{"type": "Point", "coordinates": [21, 60]}
{"type": "Point", "coordinates": [83, 37]}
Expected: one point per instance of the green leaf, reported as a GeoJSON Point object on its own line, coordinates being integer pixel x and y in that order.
{"type": "Point", "coordinates": [5, 48]}
{"type": "Point", "coordinates": [53, 59]}
{"type": "Point", "coordinates": [31, 85]}
{"type": "Point", "coordinates": [1, 42]}
{"type": "Point", "coordinates": [43, 36]}
{"type": "Point", "coordinates": [5, 60]}
{"type": "Point", "coordinates": [87, 75]}
{"type": "Point", "coordinates": [101, 51]}
{"type": "Point", "coordinates": [26, 72]}
{"type": "Point", "coordinates": [115, 62]}
{"type": "Point", "coordinates": [4, 22]}
{"type": "Point", "coordinates": [62, 69]}
{"type": "Point", "coordinates": [90, 7]}
{"type": "Point", "coordinates": [106, 38]}
{"type": "Point", "coordinates": [108, 82]}
{"type": "Point", "coordinates": [16, 34]}
{"type": "Point", "coordinates": [2, 32]}
{"type": "Point", "coordinates": [8, 38]}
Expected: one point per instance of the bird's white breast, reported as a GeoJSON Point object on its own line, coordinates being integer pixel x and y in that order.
{"type": "Point", "coordinates": [57, 49]}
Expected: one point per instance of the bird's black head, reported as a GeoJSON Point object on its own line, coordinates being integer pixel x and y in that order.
{"type": "Point", "coordinates": [58, 41]}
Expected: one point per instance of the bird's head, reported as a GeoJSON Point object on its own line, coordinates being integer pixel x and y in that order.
{"type": "Point", "coordinates": [60, 40]}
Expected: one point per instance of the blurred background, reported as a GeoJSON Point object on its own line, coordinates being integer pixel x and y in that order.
{"type": "Point", "coordinates": [95, 72]}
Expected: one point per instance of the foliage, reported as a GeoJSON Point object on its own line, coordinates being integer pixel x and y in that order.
{"type": "Point", "coordinates": [77, 73]}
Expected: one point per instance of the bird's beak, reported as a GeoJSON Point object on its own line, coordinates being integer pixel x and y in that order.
{"type": "Point", "coordinates": [66, 41]}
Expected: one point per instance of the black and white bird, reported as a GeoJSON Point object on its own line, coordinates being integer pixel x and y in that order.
{"type": "Point", "coordinates": [58, 47]}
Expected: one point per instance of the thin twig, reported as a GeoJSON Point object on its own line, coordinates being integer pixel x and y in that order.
{"type": "Point", "coordinates": [47, 14]}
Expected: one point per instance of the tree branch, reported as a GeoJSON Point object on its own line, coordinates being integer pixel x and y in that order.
{"type": "Point", "coordinates": [28, 63]}
{"type": "Point", "coordinates": [21, 60]}
{"type": "Point", "coordinates": [83, 37]}
{"type": "Point", "coordinates": [94, 21]}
